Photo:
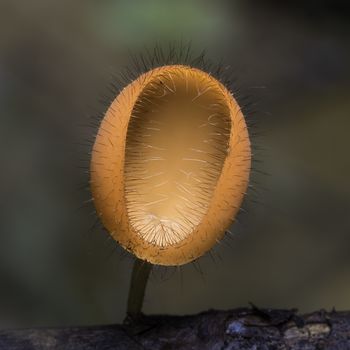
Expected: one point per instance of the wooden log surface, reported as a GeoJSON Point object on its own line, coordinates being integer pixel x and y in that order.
{"type": "Point", "coordinates": [239, 329]}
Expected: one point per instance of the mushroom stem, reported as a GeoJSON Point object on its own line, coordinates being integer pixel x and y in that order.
{"type": "Point", "coordinates": [139, 278]}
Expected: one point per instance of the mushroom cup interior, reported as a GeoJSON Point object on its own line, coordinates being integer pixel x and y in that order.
{"type": "Point", "coordinates": [177, 141]}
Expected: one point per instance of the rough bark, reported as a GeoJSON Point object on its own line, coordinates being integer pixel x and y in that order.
{"type": "Point", "coordinates": [240, 329]}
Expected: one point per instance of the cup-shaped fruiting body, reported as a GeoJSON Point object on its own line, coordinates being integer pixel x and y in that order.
{"type": "Point", "coordinates": [170, 164]}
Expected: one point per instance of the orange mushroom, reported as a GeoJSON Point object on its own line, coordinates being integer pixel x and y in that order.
{"type": "Point", "coordinates": [170, 164]}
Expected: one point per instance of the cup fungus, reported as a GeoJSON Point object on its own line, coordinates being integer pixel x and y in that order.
{"type": "Point", "coordinates": [170, 164]}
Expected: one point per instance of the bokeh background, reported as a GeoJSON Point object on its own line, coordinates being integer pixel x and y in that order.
{"type": "Point", "coordinates": [290, 250]}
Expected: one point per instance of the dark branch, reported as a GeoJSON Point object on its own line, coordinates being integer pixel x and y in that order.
{"type": "Point", "coordinates": [238, 329]}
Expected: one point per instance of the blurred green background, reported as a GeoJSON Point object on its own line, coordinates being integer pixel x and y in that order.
{"type": "Point", "coordinates": [292, 59]}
